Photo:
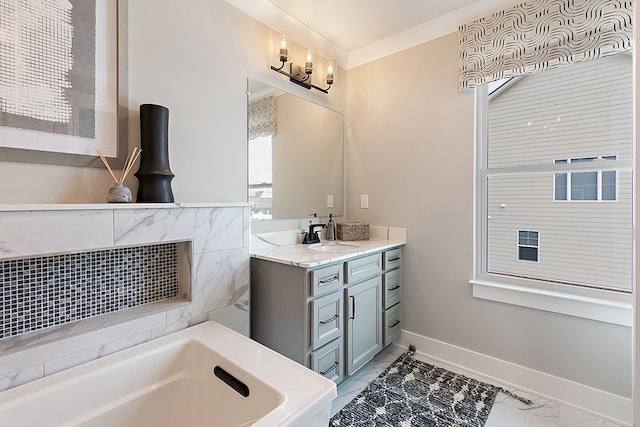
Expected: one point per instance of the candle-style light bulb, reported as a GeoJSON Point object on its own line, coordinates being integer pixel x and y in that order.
{"type": "Point", "coordinates": [329, 73]}
{"type": "Point", "coordinates": [308, 66]}
{"type": "Point", "coordinates": [284, 53]}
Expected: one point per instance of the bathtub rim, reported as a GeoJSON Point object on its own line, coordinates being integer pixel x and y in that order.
{"type": "Point", "coordinates": [302, 399]}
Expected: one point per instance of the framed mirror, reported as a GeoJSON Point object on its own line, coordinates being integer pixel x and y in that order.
{"type": "Point", "coordinates": [295, 155]}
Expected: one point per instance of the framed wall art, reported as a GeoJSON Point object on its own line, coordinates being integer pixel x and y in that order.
{"type": "Point", "coordinates": [62, 81]}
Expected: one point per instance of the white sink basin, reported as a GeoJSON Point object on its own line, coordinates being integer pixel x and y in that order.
{"type": "Point", "coordinates": [333, 247]}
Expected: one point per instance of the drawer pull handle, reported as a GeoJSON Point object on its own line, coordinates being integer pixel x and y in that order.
{"type": "Point", "coordinates": [394, 288]}
{"type": "Point", "coordinates": [334, 366]}
{"type": "Point", "coordinates": [394, 325]}
{"type": "Point", "coordinates": [324, 322]}
{"type": "Point", "coordinates": [394, 259]}
{"type": "Point", "coordinates": [333, 279]}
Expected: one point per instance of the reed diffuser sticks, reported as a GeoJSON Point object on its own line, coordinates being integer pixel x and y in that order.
{"type": "Point", "coordinates": [128, 164]}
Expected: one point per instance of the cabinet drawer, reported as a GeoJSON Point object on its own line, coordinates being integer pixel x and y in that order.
{"type": "Point", "coordinates": [363, 268]}
{"type": "Point", "coordinates": [328, 361]}
{"type": "Point", "coordinates": [326, 319]}
{"type": "Point", "coordinates": [392, 324]}
{"type": "Point", "coordinates": [392, 288]}
{"type": "Point", "coordinates": [327, 279]}
{"type": "Point", "coordinates": [393, 258]}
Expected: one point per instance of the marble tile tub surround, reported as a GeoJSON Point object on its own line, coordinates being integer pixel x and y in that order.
{"type": "Point", "coordinates": [284, 246]}
{"type": "Point", "coordinates": [219, 236]}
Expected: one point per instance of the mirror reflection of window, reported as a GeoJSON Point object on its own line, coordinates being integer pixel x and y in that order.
{"type": "Point", "coordinates": [260, 178]}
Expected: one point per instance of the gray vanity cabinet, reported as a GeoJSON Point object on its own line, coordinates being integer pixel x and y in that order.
{"type": "Point", "coordinates": [299, 313]}
{"type": "Point", "coordinates": [333, 318]}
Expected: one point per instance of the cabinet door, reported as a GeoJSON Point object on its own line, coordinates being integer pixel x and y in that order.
{"type": "Point", "coordinates": [326, 319]}
{"type": "Point", "coordinates": [364, 322]}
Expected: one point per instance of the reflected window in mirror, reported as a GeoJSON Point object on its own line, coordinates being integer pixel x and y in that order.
{"type": "Point", "coordinates": [260, 178]}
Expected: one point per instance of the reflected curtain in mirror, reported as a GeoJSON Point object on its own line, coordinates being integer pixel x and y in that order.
{"type": "Point", "coordinates": [263, 118]}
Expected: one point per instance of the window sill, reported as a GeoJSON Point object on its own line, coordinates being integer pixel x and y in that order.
{"type": "Point", "coordinates": [589, 307]}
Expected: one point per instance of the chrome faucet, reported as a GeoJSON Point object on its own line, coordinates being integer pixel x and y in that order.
{"type": "Point", "coordinates": [312, 236]}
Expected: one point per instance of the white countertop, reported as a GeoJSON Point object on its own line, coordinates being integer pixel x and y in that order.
{"type": "Point", "coordinates": [113, 206]}
{"type": "Point", "coordinates": [281, 247]}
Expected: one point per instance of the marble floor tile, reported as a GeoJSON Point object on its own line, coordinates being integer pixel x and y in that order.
{"type": "Point", "coordinates": [510, 412]}
{"type": "Point", "coordinates": [572, 417]}
{"type": "Point", "coordinates": [506, 411]}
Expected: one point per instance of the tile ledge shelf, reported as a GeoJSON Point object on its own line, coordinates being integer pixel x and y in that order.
{"type": "Point", "coordinates": [114, 206]}
{"type": "Point", "coordinates": [92, 324]}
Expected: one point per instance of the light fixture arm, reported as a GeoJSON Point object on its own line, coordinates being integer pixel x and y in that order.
{"type": "Point", "coordinates": [281, 67]}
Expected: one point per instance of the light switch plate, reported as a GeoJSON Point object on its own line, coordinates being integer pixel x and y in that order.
{"type": "Point", "coordinates": [330, 200]}
{"type": "Point", "coordinates": [364, 201]}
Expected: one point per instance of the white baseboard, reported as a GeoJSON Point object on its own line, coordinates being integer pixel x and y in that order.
{"type": "Point", "coordinates": [601, 403]}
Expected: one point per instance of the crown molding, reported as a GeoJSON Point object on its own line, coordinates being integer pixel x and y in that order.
{"type": "Point", "coordinates": [278, 19]}
{"type": "Point", "coordinates": [428, 31]}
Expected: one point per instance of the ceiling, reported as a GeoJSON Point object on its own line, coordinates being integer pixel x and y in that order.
{"type": "Point", "coordinates": [354, 24]}
{"type": "Point", "coordinates": [354, 32]}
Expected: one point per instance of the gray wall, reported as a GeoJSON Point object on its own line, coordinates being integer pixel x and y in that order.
{"type": "Point", "coordinates": [411, 149]}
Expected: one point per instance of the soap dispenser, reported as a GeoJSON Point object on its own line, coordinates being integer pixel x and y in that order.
{"type": "Point", "coordinates": [331, 229]}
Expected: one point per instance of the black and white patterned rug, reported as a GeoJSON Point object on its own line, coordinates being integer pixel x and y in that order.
{"type": "Point", "coordinates": [413, 393]}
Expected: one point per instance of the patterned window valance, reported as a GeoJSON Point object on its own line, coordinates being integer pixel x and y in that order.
{"type": "Point", "coordinates": [263, 117]}
{"type": "Point", "coordinates": [542, 34]}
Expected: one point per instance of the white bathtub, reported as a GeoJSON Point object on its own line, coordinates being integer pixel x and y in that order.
{"type": "Point", "coordinates": [170, 381]}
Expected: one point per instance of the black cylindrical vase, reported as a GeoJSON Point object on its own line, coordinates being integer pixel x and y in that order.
{"type": "Point", "coordinates": [154, 175]}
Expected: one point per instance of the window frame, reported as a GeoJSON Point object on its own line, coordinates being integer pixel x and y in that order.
{"type": "Point", "coordinates": [599, 181]}
{"type": "Point", "coordinates": [590, 303]}
{"type": "Point", "coordinates": [520, 245]}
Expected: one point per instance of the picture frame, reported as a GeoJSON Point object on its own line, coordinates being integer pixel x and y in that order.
{"type": "Point", "coordinates": [25, 136]}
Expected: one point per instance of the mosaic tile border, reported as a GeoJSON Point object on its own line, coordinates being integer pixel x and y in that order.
{"type": "Point", "coordinates": [41, 292]}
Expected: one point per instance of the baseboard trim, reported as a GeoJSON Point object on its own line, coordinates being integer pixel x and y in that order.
{"type": "Point", "coordinates": [601, 403]}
